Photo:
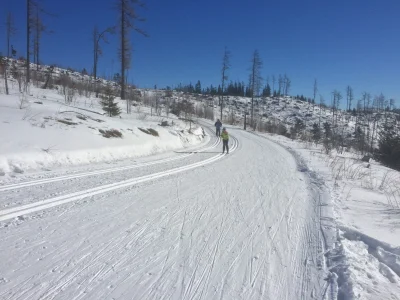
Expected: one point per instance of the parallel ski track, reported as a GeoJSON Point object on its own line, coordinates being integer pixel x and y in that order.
{"type": "Point", "coordinates": [103, 171]}
{"type": "Point", "coordinates": [15, 212]}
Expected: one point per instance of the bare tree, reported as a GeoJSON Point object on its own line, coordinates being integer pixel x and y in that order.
{"type": "Point", "coordinates": [321, 103]}
{"type": "Point", "coordinates": [4, 66]}
{"type": "Point", "coordinates": [350, 97]}
{"type": "Point", "coordinates": [127, 16]}
{"type": "Point", "coordinates": [31, 5]}
{"type": "Point", "coordinates": [255, 81]}
{"type": "Point", "coordinates": [38, 29]}
{"type": "Point", "coordinates": [315, 90]}
{"type": "Point", "coordinates": [283, 84]}
{"type": "Point", "coordinates": [368, 100]}
{"type": "Point", "coordinates": [391, 104]}
{"type": "Point", "coordinates": [364, 99]}
{"type": "Point", "coordinates": [225, 67]}
{"type": "Point", "coordinates": [379, 102]}
{"type": "Point", "coordinates": [273, 84]}
{"type": "Point", "coordinates": [29, 8]}
{"type": "Point", "coordinates": [280, 84]}
{"type": "Point", "coordinates": [11, 30]}
{"type": "Point", "coordinates": [97, 52]}
{"type": "Point", "coordinates": [287, 84]}
{"type": "Point", "coordinates": [337, 96]}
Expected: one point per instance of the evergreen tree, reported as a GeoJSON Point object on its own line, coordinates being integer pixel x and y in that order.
{"type": "Point", "coordinates": [360, 141]}
{"type": "Point", "coordinates": [197, 88]}
{"type": "Point", "coordinates": [219, 90]}
{"type": "Point", "coordinates": [108, 103]}
{"type": "Point", "coordinates": [316, 133]}
{"type": "Point", "coordinates": [327, 141]}
{"type": "Point", "coordinates": [268, 90]}
{"type": "Point", "coordinates": [389, 147]}
{"type": "Point", "coordinates": [117, 78]}
{"type": "Point", "coordinates": [190, 88]}
{"type": "Point", "coordinates": [298, 127]}
{"type": "Point", "coordinates": [248, 92]}
{"type": "Point", "coordinates": [328, 130]}
{"type": "Point", "coordinates": [213, 90]}
{"type": "Point", "coordinates": [264, 92]}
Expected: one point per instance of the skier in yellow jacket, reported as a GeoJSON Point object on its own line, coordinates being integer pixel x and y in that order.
{"type": "Point", "coordinates": [225, 140]}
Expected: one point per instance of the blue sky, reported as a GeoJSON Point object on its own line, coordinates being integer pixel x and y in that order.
{"type": "Point", "coordinates": [341, 42]}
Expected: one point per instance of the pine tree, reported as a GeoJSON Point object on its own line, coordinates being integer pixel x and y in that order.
{"type": "Point", "coordinates": [268, 90]}
{"type": "Point", "coordinates": [389, 147]}
{"type": "Point", "coordinates": [108, 103]}
{"type": "Point", "coordinates": [360, 142]}
{"type": "Point", "coordinates": [327, 141]}
{"type": "Point", "coordinates": [316, 133]}
{"type": "Point", "coordinates": [197, 88]}
{"type": "Point", "coordinates": [328, 130]}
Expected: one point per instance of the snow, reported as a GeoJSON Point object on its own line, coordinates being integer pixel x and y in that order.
{"type": "Point", "coordinates": [204, 226]}
{"type": "Point", "coordinates": [34, 138]}
{"type": "Point", "coordinates": [366, 212]}
{"type": "Point", "coordinates": [83, 216]}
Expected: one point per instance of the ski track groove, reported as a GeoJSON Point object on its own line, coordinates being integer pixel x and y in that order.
{"type": "Point", "coordinates": [217, 246]}
{"type": "Point", "coordinates": [14, 212]}
{"type": "Point", "coordinates": [9, 187]}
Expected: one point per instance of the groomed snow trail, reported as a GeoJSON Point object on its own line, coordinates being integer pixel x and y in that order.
{"type": "Point", "coordinates": [237, 226]}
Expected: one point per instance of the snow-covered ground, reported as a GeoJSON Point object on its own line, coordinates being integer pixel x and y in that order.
{"type": "Point", "coordinates": [192, 225]}
{"type": "Point", "coordinates": [46, 133]}
{"type": "Point", "coordinates": [167, 216]}
{"type": "Point", "coordinates": [366, 203]}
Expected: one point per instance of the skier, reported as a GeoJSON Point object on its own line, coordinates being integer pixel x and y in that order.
{"type": "Point", "coordinates": [225, 140]}
{"type": "Point", "coordinates": [218, 126]}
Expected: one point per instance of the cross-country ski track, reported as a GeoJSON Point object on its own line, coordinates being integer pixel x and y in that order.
{"type": "Point", "coordinates": [194, 225]}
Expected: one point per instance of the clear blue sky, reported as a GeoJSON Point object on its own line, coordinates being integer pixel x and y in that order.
{"type": "Point", "coordinates": [341, 42]}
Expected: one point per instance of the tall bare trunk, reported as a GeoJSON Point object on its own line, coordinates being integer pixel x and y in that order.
{"type": "Point", "coordinates": [28, 39]}
{"type": "Point", "coordinates": [123, 49]}
{"type": "Point", "coordinates": [5, 77]}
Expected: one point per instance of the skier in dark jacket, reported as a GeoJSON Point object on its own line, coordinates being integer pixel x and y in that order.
{"type": "Point", "coordinates": [225, 140]}
{"type": "Point", "coordinates": [218, 126]}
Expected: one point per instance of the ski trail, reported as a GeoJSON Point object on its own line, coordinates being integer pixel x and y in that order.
{"type": "Point", "coordinates": [14, 212]}
{"type": "Point", "coordinates": [99, 172]}
{"type": "Point", "coordinates": [239, 226]}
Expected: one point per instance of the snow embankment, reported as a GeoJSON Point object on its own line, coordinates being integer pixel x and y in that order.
{"type": "Point", "coordinates": [45, 133]}
{"type": "Point", "coordinates": [364, 262]}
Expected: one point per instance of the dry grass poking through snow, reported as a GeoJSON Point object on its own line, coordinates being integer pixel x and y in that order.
{"type": "Point", "coordinates": [111, 133]}
{"type": "Point", "coordinates": [369, 176]}
{"type": "Point", "coordinates": [150, 131]}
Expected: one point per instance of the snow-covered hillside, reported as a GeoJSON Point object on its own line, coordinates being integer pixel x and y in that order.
{"type": "Point", "coordinates": [39, 131]}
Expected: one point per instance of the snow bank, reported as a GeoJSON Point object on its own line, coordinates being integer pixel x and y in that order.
{"type": "Point", "coordinates": [47, 133]}
{"type": "Point", "coordinates": [364, 198]}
